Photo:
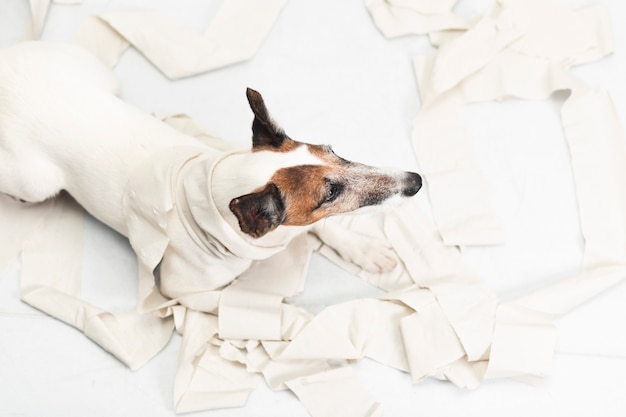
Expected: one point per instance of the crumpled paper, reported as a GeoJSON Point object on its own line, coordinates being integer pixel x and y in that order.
{"type": "Point", "coordinates": [518, 55]}
{"type": "Point", "coordinates": [438, 318]}
{"type": "Point", "coordinates": [525, 50]}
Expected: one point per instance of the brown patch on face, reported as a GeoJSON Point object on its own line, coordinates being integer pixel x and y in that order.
{"type": "Point", "coordinates": [312, 192]}
{"type": "Point", "coordinates": [304, 188]}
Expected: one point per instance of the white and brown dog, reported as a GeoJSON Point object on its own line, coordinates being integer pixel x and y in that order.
{"type": "Point", "coordinates": [62, 127]}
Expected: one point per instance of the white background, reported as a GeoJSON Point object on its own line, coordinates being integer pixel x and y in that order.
{"type": "Point", "coordinates": [329, 76]}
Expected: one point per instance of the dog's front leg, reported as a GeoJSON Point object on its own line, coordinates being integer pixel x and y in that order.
{"type": "Point", "coordinates": [370, 253]}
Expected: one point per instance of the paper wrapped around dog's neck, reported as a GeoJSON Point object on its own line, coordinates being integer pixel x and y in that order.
{"type": "Point", "coordinates": [171, 193]}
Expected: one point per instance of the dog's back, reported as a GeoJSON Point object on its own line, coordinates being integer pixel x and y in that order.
{"type": "Point", "coordinates": [57, 104]}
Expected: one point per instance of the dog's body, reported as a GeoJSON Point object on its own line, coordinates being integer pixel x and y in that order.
{"type": "Point", "coordinates": [62, 127]}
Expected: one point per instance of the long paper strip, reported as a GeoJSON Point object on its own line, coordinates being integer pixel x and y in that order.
{"type": "Point", "coordinates": [234, 35]}
{"type": "Point", "coordinates": [506, 64]}
{"type": "Point", "coordinates": [50, 282]}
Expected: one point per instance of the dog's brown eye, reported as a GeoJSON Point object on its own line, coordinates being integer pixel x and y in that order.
{"type": "Point", "coordinates": [334, 189]}
{"type": "Point", "coordinates": [331, 192]}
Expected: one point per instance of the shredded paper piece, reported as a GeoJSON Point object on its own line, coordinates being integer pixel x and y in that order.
{"type": "Point", "coordinates": [234, 35]}
{"type": "Point", "coordinates": [437, 318]}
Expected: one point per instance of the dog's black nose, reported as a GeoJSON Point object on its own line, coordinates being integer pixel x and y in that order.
{"type": "Point", "coordinates": [412, 184]}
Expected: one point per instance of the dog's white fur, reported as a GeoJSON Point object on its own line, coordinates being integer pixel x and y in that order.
{"type": "Point", "coordinates": [62, 127]}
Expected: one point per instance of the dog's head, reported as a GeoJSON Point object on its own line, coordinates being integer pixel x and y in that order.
{"type": "Point", "coordinates": [309, 182]}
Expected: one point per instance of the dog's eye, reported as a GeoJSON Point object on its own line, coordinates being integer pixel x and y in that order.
{"type": "Point", "coordinates": [334, 189]}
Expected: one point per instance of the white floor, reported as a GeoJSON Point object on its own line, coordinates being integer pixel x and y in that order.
{"type": "Point", "coordinates": [329, 76]}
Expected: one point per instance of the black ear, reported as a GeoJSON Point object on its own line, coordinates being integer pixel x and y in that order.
{"type": "Point", "coordinates": [265, 133]}
{"type": "Point", "coordinates": [260, 212]}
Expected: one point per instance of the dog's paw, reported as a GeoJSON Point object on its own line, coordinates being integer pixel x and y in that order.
{"type": "Point", "coordinates": [371, 254]}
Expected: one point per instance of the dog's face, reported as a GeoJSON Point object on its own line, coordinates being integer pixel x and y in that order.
{"type": "Point", "coordinates": [302, 193]}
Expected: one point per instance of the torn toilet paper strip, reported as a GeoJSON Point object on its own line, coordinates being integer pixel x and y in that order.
{"type": "Point", "coordinates": [234, 35]}
{"type": "Point", "coordinates": [50, 282]}
{"type": "Point", "coordinates": [530, 66]}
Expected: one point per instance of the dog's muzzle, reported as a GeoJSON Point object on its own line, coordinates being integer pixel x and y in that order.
{"type": "Point", "coordinates": [412, 184]}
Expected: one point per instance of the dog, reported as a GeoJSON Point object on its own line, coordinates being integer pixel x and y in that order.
{"type": "Point", "coordinates": [64, 128]}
